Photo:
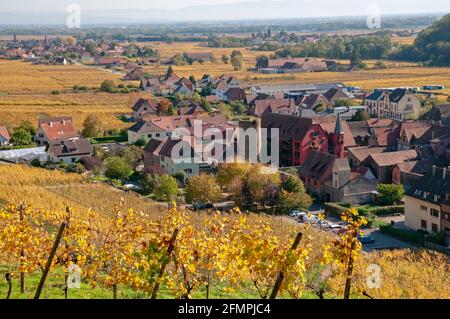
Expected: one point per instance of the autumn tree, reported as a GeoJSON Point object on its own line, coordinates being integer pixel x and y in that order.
{"type": "Point", "coordinates": [92, 126]}
{"type": "Point", "coordinates": [163, 106]}
{"type": "Point", "coordinates": [237, 60]}
{"type": "Point", "coordinates": [225, 59]}
{"type": "Point", "coordinates": [229, 172]}
{"type": "Point", "coordinates": [203, 189]}
{"type": "Point", "coordinates": [108, 86]}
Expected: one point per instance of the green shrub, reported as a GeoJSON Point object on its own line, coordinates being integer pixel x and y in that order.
{"type": "Point", "coordinates": [417, 237]}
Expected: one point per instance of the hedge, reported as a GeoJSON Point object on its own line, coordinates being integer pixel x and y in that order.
{"type": "Point", "coordinates": [109, 139]}
{"type": "Point", "coordinates": [336, 209]}
{"type": "Point", "coordinates": [413, 236]}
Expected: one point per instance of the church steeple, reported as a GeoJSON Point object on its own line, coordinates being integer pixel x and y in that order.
{"type": "Point", "coordinates": [338, 138]}
{"type": "Point", "coordinates": [339, 129]}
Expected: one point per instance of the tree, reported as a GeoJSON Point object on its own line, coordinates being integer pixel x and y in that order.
{"type": "Point", "coordinates": [169, 71]}
{"type": "Point", "coordinates": [225, 59]}
{"type": "Point", "coordinates": [262, 61]}
{"type": "Point", "coordinates": [295, 200]}
{"type": "Point", "coordinates": [167, 188]}
{"type": "Point", "coordinates": [193, 80]}
{"type": "Point", "coordinates": [108, 86]}
{"type": "Point", "coordinates": [203, 189]}
{"type": "Point", "coordinates": [92, 126]}
{"type": "Point", "coordinates": [117, 168]}
{"type": "Point", "coordinates": [26, 125]}
{"type": "Point", "coordinates": [21, 137]}
{"type": "Point", "coordinates": [361, 115]}
{"type": "Point", "coordinates": [149, 183]}
{"type": "Point", "coordinates": [292, 183]}
{"type": "Point", "coordinates": [132, 155]}
{"type": "Point", "coordinates": [237, 60]}
{"type": "Point", "coordinates": [91, 163]}
{"type": "Point", "coordinates": [141, 142]}
{"type": "Point", "coordinates": [163, 106]}
{"type": "Point", "coordinates": [227, 173]}
{"type": "Point", "coordinates": [390, 194]}
{"type": "Point", "coordinates": [380, 65]}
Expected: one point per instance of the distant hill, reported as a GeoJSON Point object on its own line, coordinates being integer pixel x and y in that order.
{"type": "Point", "coordinates": [431, 46]}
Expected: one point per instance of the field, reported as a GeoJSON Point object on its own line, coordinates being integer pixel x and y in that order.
{"type": "Point", "coordinates": [25, 89]}
{"type": "Point", "coordinates": [54, 190]}
{"type": "Point", "coordinates": [396, 74]}
{"type": "Point", "coordinates": [406, 274]}
{"type": "Point", "coordinates": [25, 94]}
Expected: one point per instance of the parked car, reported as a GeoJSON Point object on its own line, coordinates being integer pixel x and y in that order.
{"type": "Point", "coordinates": [324, 224]}
{"type": "Point", "coordinates": [311, 219]}
{"type": "Point", "coordinates": [296, 213]}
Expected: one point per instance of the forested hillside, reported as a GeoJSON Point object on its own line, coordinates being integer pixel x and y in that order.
{"type": "Point", "coordinates": [431, 46]}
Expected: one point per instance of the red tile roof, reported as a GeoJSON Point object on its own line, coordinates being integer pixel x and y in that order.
{"type": "Point", "coordinates": [59, 128]}
{"type": "Point", "coordinates": [4, 133]}
{"type": "Point", "coordinates": [393, 158]}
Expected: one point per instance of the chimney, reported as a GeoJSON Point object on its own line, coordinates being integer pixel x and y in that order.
{"type": "Point", "coordinates": [434, 170]}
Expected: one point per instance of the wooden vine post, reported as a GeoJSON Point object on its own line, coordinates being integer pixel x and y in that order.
{"type": "Point", "coordinates": [50, 258]}
{"type": "Point", "coordinates": [165, 263]}
{"type": "Point", "coordinates": [280, 278]}
{"type": "Point", "coordinates": [22, 254]}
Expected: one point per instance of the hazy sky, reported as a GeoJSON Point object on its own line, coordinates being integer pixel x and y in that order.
{"type": "Point", "coordinates": [391, 6]}
{"type": "Point", "coordinates": [55, 5]}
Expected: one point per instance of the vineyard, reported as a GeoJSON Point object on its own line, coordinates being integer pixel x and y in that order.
{"type": "Point", "coordinates": [149, 251]}
{"type": "Point", "coordinates": [25, 94]}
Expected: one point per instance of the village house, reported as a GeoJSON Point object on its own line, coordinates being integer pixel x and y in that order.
{"type": "Point", "coordinates": [192, 109]}
{"type": "Point", "coordinates": [314, 102]}
{"type": "Point", "coordinates": [439, 114]}
{"type": "Point", "coordinates": [160, 154]}
{"type": "Point", "coordinates": [330, 178]}
{"type": "Point", "coordinates": [144, 107]}
{"type": "Point", "coordinates": [183, 86]}
{"type": "Point", "coordinates": [136, 74]}
{"type": "Point", "coordinates": [68, 150]}
{"type": "Point", "coordinates": [335, 96]}
{"type": "Point", "coordinates": [219, 90]}
{"type": "Point", "coordinates": [4, 136]}
{"type": "Point", "coordinates": [160, 127]}
{"type": "Point", "coordinates": [273, 105]}
{"type": "Point", "coordinates": [295, 90]}
{"type": "Point", "coordinates": [382, 164]}
{"type": "Point", "coordinates": [410, 172]}
{"type": "Point", "coordinates": [410, 132]}
{"type": "Point", "coordinates": [55, 129]}
{"type": "Point", "coordinates": [357, 155]}
{"type": "Point", "coordinates": [427, 203]}
{"type": "Point", "coordinates": [160, 85]}
{"type": "Point", "coordinates": [346, 186]}
{"type": "Point", "coordinates": [234, 94]}
{"type": "Point", "coordinates": [400, 105]}
{"type": "Point", "coordinates": [291, 65]}
{"type": "Point", "coordinates": [298, 136]}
